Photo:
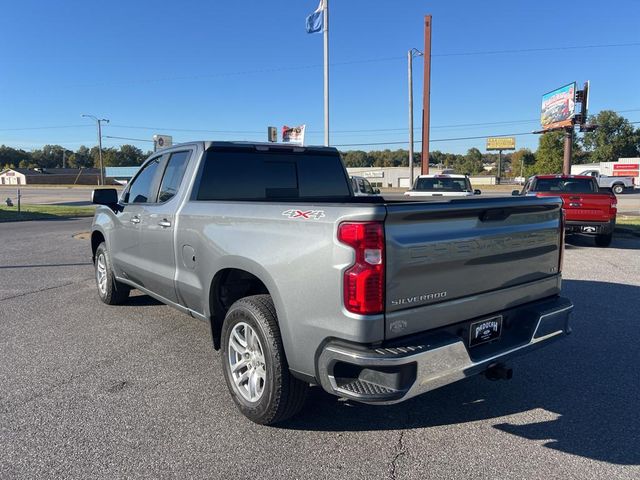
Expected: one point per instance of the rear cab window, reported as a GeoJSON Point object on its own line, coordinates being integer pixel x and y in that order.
{"type": "Point", "coordinates": [277, 174]}
{"type": "Point", "coordinates": [443, 184]}
{"type": "Point", "coordinates": [565, 185]}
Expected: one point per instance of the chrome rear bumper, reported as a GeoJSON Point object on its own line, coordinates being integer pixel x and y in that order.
{"type": "Point", "coordinates": [399, 371]}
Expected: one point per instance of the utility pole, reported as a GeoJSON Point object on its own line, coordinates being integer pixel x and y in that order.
{"type": "Point", "coordinates": [568, 146]}
{"type": "Point", "coordinates": [410, 54]}
{"type": "Point", "coordinates": [426, 94]}
{"type": "Point", "coordinates": [99, 125]}
{"type": "Point", "coordinates": [325, 35]}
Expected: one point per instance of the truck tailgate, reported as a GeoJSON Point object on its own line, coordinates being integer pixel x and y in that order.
{"type": "Point", "coordinates": [452, 261]}
{"type": "Point", "coordinates": [589, 207]}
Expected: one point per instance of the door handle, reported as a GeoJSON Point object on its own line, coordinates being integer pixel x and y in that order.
{"type": "Point", "coordinates": [135, 219]}
{"type": "Point", "coordinates": [165, 223]}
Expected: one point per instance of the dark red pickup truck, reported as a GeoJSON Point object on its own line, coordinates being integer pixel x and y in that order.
{"type": "Point", "coordinates": [588, 209]}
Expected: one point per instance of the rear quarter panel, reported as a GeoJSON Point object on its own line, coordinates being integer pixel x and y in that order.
{"type": "Point", "coordinates": [298, 259]}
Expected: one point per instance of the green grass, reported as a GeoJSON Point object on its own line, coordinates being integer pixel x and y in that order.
{"type": "Point", "coordinates": [43, 212]}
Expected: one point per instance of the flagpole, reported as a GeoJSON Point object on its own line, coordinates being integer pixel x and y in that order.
{"type": "Point", "coordinates": [325, 14]}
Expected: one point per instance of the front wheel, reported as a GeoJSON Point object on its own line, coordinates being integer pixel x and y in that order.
{"type": "Point", "coordinates": [618, 189]}
{"type": "Point", "coordinates": [254, 363]}
{"type": "Point", "coordinates": [604, 240]}
{"type": "Point", "coordinates": [110, 290]}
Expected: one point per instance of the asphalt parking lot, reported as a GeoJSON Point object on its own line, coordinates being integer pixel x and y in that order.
{"type": "Point", "coordinates": [91, 391]}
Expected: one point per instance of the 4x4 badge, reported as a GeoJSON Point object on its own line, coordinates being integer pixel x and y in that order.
{"type": "Point", "coordinates": [304, 214]}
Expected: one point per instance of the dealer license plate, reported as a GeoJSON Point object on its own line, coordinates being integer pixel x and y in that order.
{"type": "Point", "coordinates": [484, 331]}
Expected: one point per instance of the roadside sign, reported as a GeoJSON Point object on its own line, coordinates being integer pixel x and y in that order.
{"type": "Point", "coordinates": [293, 134]}
{"type": "Point", "coordinates": [501, 143]}
{"type": "Point", "coordinates": [626, 166]}
{"type": "Point", "coordinates": [376, 174]}
{"type": "Point", "coordinates": [272, 134]}
{"type": "Point", "coordinates": [162, 141]}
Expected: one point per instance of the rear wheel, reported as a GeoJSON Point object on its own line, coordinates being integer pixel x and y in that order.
{"type": "Point", "coordinates": [604, 240]}
{"type": "Point", "coordinates": [110, 290]}
{"type": "Point", "coordinates": [618, 188]}
{"type": "Point", "coordinates": [254, 364]}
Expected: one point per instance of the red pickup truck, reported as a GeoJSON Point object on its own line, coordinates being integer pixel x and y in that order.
{"type": "Point", "coordinates": [588, 209]}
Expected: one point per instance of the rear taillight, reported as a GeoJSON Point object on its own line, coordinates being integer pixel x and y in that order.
{"type": "Point", "coordinates": [364, 280]}
{"type": "Point", "coordinates": [562, 227]}
{"type": "Point", "coordinates": [613, 207]}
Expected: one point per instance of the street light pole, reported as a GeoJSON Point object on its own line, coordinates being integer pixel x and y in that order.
{"type": "Point", "coordinates": [410, 54]}
{"type": "Point", "coordinates": [99, 125]}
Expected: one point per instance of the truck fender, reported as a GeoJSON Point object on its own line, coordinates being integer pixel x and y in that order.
{"type": "Point", "coordinates": [249, 266]}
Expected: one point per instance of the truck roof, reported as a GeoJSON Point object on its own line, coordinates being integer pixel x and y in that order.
{"type": "Point", "coordinates": [443, 175]}
{"type": "Point", "coordinates": [564, 177]}
{"type": "Point", "coordinates": [259, 145]}
{"type": "Point", "coordinates": [268, 145]}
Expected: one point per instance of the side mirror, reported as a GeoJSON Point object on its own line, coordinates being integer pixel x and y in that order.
{"type": "Point", "coordinates": [105, 196]}
{"type": "Point", "coordinates": [477, 192]}
{"type": "Point", "coordinates": [515, 193]}
{"type": "Point", "coordinates": [376, 191]}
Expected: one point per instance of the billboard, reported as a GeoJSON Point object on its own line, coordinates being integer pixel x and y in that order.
{"type": "Point", "coordinates": [558, 107]}
{"type": "Point", "coordinates": [293, 135]}
{"type": "Point", "coordinates": [501, 143]}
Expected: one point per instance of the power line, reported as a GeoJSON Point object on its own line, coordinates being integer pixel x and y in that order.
{"type": "Point", "coordinates": [433, 140]}
{"type": "Point", "coordinates": [45, 128]}
{"type": "Point", "coordinates": [356, 62]}
{"type": "Point", "coordinates": [457, 125]}
{"type": "Point", "coordinates": [127, 138]}
{"type": "Point", "coordinates": [195, 130]}
{"type": "Point", "coordinates": [533, 50]}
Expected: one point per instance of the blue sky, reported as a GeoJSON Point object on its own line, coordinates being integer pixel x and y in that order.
{"type": "Point", "coordinates": [233, 68]}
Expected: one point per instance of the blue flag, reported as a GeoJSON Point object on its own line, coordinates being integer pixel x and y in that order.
{"type": "Point", "coordinates": [315, 21]}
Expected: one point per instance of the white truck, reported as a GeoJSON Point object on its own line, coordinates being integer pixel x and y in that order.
{"type": "Point", "coordinates": [617, 184]}
{"type": "Point", "coordinates": [442, 185]}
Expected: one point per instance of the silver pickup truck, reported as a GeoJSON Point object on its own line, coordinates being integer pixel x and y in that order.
{"type": "Point", "coordinates": [617, 184]}
{"type": "Point", "coordinates": [303, 283]}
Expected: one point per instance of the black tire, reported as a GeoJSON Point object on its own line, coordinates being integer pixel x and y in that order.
{"type": "Point", "coordinates": [111, 291]}
{"type": "Point", "coordinates": [618, 188]}
{"type": "Point", "coordinates": [282, 394]}
{"type": "Point", "coordinates": [604, 240]}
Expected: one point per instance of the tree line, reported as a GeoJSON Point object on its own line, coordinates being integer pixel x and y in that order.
{"type": "Point", "coordinates": [55, 156]}
{"type": "Point", "coordinates": [615, 137]}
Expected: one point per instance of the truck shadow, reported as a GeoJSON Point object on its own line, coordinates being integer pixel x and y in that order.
{"type": "Point", "coordinates": [620, 241]}
{"type": "Point", "coordinates": [584, 390]}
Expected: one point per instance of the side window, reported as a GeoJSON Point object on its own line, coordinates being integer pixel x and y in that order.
{"type": "Point", "coordinates": [142, 188]}
{"type": "Point", "coordinates": [173, 174]}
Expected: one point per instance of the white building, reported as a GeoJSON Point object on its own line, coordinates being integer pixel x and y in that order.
{"type": "Point", "coordinates": [388, 177]}
{"type": "Point", "coordinates": [15, 176]}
